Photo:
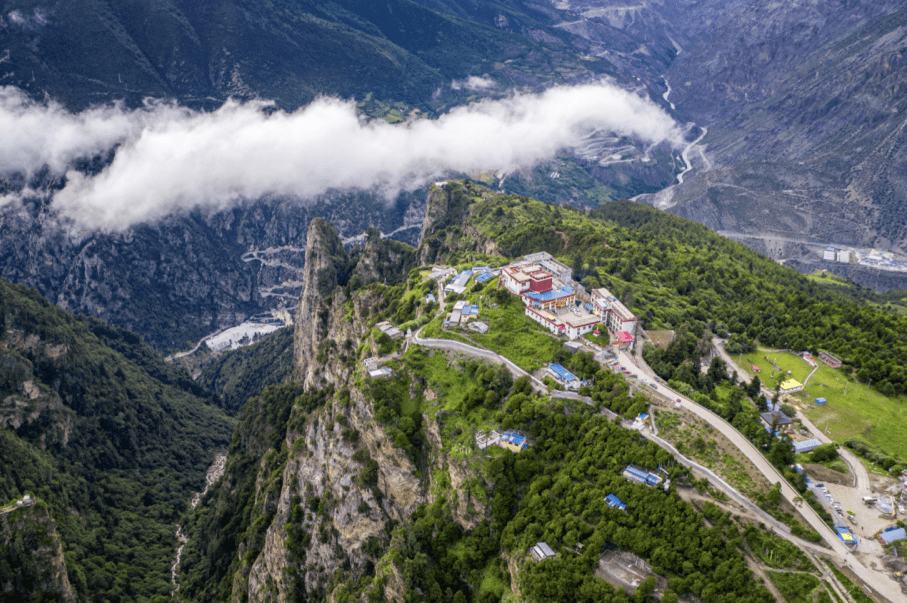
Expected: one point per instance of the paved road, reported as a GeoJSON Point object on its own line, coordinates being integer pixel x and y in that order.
{"type": "Point", "coordinates": [742, 375]}
{"type": "Point", "coordinates": [880, 581]}
{"type": "Point", "coordinates": [857, 469]}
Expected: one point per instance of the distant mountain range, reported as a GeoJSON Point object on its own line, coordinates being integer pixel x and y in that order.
{"type": "Point", "coordinates": [801, 106]}
{"type": "Point", "coordinates": [806, 107]}
{"type": "Point", "coordinates": [290, 52]}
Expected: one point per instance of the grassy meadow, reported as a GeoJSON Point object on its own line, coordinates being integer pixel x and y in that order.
{"type": "Point", "coordinates": [853, 409]}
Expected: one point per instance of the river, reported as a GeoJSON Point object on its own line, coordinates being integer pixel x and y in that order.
{"type": "Point", "coordinates": [215, 472]}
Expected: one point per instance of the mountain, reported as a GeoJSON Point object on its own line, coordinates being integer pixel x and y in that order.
{"type": "Point", "coordinates": [788, 163]}
{"type": "Point", "coordinates": [110, 440]}
{"type": "Point", "coordinates": [362, 489]}
{"type": "Point", "coordinates": [339, 486]}
{"type": "Point", "coordinates": [201, 53]}
{"type": "Point", "coordinates": [240, 374]}
{"type": "Point", "coordinates": [804, 106]}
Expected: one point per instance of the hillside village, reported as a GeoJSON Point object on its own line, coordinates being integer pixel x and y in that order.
{"type": "Point", "coordinates": [862, 520]}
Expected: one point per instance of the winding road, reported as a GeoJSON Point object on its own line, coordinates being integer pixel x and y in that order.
{"type": "Point", "coordinates": [879, 581]}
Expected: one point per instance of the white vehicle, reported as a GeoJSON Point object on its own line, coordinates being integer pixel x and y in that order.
{"type": "Point", "coordinates": [869, 500]}
{"type": "Point", "coordinates": [901, 510]}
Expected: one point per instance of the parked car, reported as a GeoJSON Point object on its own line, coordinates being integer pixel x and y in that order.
{"type": "Point", "coordinates": [901, 510]}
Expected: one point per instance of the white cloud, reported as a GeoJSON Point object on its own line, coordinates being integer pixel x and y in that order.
{"type": "Point", "coordinates": [171, 159]}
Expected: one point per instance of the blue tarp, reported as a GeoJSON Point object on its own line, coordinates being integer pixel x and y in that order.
{"type": "Point", "coordinates": [845, 535]}
{"type": "Point", "coordinates": [821, 401]}
{"type": "Point", "coordinates": [515, 439]}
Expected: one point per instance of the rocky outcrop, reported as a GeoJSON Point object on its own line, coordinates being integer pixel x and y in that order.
{"type": "Point", "coordinates": [33, 410]}
{"type": "Point", "coordinates": [29, 544]}
{"type": "Point", "coordinates": [342, 485]}
{"type": "Point", "coordinates": [446, 228]}
{"type": "Point", "coordinates": [326, 266]}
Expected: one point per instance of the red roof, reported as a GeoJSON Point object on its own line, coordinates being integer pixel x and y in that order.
{"type": "Point", "coordinates": [755, 368]}
{"type": "Point", "coordinates": [624, 337]}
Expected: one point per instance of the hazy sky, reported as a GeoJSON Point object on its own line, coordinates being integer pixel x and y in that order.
{"type": "Point", "coordinates": [169, 159]}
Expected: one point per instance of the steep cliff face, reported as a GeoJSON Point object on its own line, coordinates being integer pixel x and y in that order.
{"type": "Point", "coordinates": [32, 567]}
{"type": "Point", "coordinates": [27, 406]}
{"type": "Point", "coordinates": [187, 276]}
{"type": "Point", "coordinates": [445, 228]}
{"type": "Point", "coordinates": [325, 264]}
{"type": "Point", "coordinates": [340, 478]}
{"type": "Point", "coordinates": [343, 483]}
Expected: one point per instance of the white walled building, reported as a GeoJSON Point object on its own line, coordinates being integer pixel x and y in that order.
{"type": "Point", "coordinates": [613, 313]}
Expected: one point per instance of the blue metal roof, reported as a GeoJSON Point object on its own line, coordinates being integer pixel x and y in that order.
{"type": "Point", "coordinates": [806, 445]}
{"type": "Point", "coordinates": [821, 401]}
{"type": "Point", "coordinates": [637, 472]}
{"type": "Point", "coordinates": [550, 295]}
{"type": "Point", "coordinates": [485, 276]}
{"type": "Point", "coordinates": [562, 372]}
{"type": "Point", "coordinates": [514, 438]}
{"type": "Point", "coordinates": [890, 535]}
{"type": "Point", "coordinates": [588, 306]}
{"type": "Point", "coordinates": [613, 501]}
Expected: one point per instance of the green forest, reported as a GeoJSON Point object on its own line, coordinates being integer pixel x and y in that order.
{"type": "Point", "coordinates": [676, 274]}
{"type": "Point", "coordinates": [116, 452]}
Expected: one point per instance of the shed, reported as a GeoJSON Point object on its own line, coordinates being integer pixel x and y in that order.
{"type": "Point", "coordinates": [478, 327]}
{"type": "Point", "coordinates": [892, 534]}
{"type": "Point", "coordinates": [821, 401]}
{"type": "Point", "coordinates": [573, 346]}
{"type": "Point", "coordinates": [541, 551]}
{"type": "Point", "coordinates": [615, 502]}
{"type": "Point", "coordinates": [806, 446]}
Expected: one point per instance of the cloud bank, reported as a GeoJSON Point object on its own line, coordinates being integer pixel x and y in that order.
{"type": "Point", "coordinates": [169, 159]}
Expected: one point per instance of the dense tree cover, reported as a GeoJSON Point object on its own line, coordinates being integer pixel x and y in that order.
{"type": "Point", "coordinates": [27, 547]}
{"type": "Point", "coordinates": [137, 446]}
{"type": "Point", "coordinates": [240, 374]}
{"type": "Point", "coordinates": [228, 518]}
{"type": "Point", "coordinates": [555, 492]}
{"type": "Point", "coordinates": [676, 272]}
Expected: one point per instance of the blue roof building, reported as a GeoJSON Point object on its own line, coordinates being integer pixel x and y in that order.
{"type": "Point", "coordinates": [562, 374]}
{"type": "Point", "coordinates": [821, 401]}
{"type": "Point", "coordinates": [557, 297]}
{"type": "Point", "coordinates": [615, 502]}
{"type": "Point", "coordinates": [485, 276]}
{"type": "Point", "coordinates": [514, 442]}
{"type": "Point", "coordinates": [892, 534]}
{"type": "Point", "coordinates": [641, 477]}
{"type": "Point", "coordinates": [806, 446]}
